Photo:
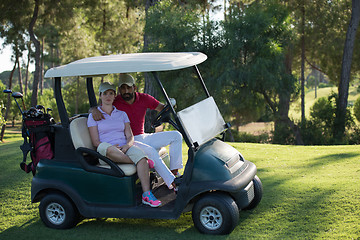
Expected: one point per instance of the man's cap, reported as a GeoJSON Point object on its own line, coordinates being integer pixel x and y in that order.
{"type": "Point", "coordinates": [126, 79]}
{"type": "Point", "coordinates": [106, 86]}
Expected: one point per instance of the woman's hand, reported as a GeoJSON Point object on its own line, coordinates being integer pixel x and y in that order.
{"type": "Point", "coordinates": [123, 148]}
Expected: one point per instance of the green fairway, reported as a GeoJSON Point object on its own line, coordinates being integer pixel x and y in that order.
{"type": "Point", "coordinates": [309, 193]}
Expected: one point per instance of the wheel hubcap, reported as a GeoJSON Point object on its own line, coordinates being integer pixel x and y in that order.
{"type": "Point", "coordinates": [211, 218]}
{"type": "Point", "coordinates": [55, 213]}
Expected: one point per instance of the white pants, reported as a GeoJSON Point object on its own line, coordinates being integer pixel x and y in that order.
{"type": "Point", "coordinates": [151, 143]}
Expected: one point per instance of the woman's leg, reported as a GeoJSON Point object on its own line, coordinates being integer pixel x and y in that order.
{"type": "Point", "coordinates": [116, 155]}
{"type": "Point", "coordinates": [142, 168]}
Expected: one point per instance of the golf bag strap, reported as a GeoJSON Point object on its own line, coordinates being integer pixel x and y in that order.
{"type": "Point", "coordinates": [25, 148]}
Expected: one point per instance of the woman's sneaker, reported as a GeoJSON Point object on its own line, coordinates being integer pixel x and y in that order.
{"type": "Point", "coordinates": [149, 199]}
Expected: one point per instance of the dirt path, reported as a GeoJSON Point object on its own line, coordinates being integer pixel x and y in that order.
{"type": "Point", "coordinates": [257, 128]}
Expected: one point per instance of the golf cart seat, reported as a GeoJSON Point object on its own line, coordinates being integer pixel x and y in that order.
{"type": "Point", "coordinates": [81, 139]}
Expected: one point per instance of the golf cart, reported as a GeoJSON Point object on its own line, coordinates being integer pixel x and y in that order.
{"type": "Point", "coordinates": [216, 184]}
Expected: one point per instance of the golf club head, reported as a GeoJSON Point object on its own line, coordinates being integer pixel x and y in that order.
{"type": "Point", "coordinates": [17, 95]}
{"type": "Point", "coordinates": [40, 107]}
{"type": "Point", "coordinates": [7, 91]}
{"type": "Point", "coordinates": [48, 110]}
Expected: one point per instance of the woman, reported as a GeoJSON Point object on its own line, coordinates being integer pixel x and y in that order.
{"type": "Point", "coordinates": [113, 138]}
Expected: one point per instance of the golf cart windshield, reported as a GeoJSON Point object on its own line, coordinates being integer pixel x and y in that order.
{"type": "Point", "coordinates": [202, 121]}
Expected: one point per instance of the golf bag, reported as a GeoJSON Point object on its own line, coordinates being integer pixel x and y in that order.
{"type": "Point", "coordinates": [38, 138]}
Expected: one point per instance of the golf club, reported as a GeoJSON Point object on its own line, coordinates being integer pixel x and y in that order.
{"type": "Point", "coordinates": [16, 95]}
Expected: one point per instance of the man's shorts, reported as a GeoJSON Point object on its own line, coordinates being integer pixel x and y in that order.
{"type": "Point", "coordinates": [134, 153]}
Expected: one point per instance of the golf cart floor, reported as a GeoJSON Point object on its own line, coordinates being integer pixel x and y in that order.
{"type": "Point", "coordinates": [164, 194]}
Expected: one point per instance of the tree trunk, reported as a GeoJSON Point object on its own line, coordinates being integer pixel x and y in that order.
{"type": "Point", "coordinates": [77, 95]}
{"type": "Point", "coordinates": [36, 42]}
{"type": "Point", "coordinates": [149, 87]}
{"type": "Point", "coordinates": [27, 67]}
{"type": "Point", "coordinates": [41, 84]}
{"type": "Point", "coordinates": [282, 119]}
{"type": "Point", "coordinates": [317, 80]}
{"type": "Point", "coordinates": [303, 62]}
{"type": "Point", "coordinates": [8, 104]}
{"type": "Point", "coordinates": [339, 128]}
{"type": "Point", "coordinates": [19, 72]}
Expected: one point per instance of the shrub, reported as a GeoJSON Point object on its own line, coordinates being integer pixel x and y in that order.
{"type": "Point", "coordinates": [357, 109]}
{"type": "Point", "coordinates": [354, 136]}
{"type": "Point", "coordinates": [283, 134]}
{"type": "Point", "coordinates": [312, 133]}
{"type": "Point", "coordinates": [320, 128]}
{"type": "Point", "coordinates": [323, 111]}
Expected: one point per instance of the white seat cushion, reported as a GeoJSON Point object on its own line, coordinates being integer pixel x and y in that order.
{"type": "Point", "coordinates": [81, 138]}
{"type": "Point", "coordinates": [128, 169]}
{"type": "Point", "coordinates": [80, 133]}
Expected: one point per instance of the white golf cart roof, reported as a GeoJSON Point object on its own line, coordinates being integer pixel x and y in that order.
{"type": "Point", "coordinates": [127, 63]}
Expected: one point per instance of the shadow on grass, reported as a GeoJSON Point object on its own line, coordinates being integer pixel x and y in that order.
{"type": "Point", "coordinates": [330, 159]}
{"type": "Point", "coordinates": [111, 228]}
{"type": "Point", "coordinates": [286, 213]}
{"type": "Point", "coordinates": [337, 157]}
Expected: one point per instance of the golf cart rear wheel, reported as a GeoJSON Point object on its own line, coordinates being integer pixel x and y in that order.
{"type": "Point", "coordinates": [215, 214]}
{"type": "Point", "coordinates": [57, 211]}
{"type": "Point", "coordinates": [258, 192]}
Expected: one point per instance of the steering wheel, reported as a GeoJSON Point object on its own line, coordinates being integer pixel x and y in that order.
{"type": "Point", "coordinates": [163, 116]}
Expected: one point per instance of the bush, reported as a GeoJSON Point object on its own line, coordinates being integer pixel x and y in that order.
{"type": "Point", "coordinates": [312, 133]}
{"type": "Point", "coordinates": [323, 111]}
{"type": "Point", "coordinates": [283, 134]}
{"type": "Point", "coordinates": [354, 136]}
{"type": "Point", "coordinates": [320, 128]}
{"type": "Point", "coordinates": [357, 109]}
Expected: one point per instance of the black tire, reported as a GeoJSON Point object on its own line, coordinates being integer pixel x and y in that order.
{"type": "Point", "coordinates": [215, 214]}
{"type": "Point", "coordinates": [258, 192]}
{"type": "Point", "coordinates": [57, 211]}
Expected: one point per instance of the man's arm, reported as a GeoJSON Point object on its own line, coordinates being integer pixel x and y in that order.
{"type": "Point", "coordinates": [160, 107]}
{"type": "Point", "coordinates": [97, 115]}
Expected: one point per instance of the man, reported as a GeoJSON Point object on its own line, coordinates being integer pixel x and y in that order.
{"type": "Point", "coordinates": [135, 105]}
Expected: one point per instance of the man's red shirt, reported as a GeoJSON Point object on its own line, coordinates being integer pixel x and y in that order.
{"type": "Point", "coordinates": [137, 110]}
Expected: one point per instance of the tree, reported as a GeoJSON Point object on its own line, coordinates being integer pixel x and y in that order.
{"type": "Point", "coordinates": [257, 58]}
{"type": "Point", "coordinates": [149, 87]}
{"type": "Point", "coordinates": [36, 43]}
{"type": "Point", "coordinates": [341, 107]}
{"type": "Point", "coordinates": [8, 104]}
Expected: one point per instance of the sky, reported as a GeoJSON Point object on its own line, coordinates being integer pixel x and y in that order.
{"type": "Point", "coordinates": [5, 58]}
{"type": "Point", "coordinates": [5, 53]}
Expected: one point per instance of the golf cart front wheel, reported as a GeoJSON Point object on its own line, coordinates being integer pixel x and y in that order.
{"type": "Point", "coordinates": [56, 211]}
{"type": "Point", "coordinates": [215, 214]}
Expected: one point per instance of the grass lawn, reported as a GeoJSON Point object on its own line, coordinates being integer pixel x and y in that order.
{"type": "Point", "coordinates": [309, 193]}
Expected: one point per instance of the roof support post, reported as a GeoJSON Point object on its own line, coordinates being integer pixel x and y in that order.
{"type": "Point", "coordinates": [60, 103]}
